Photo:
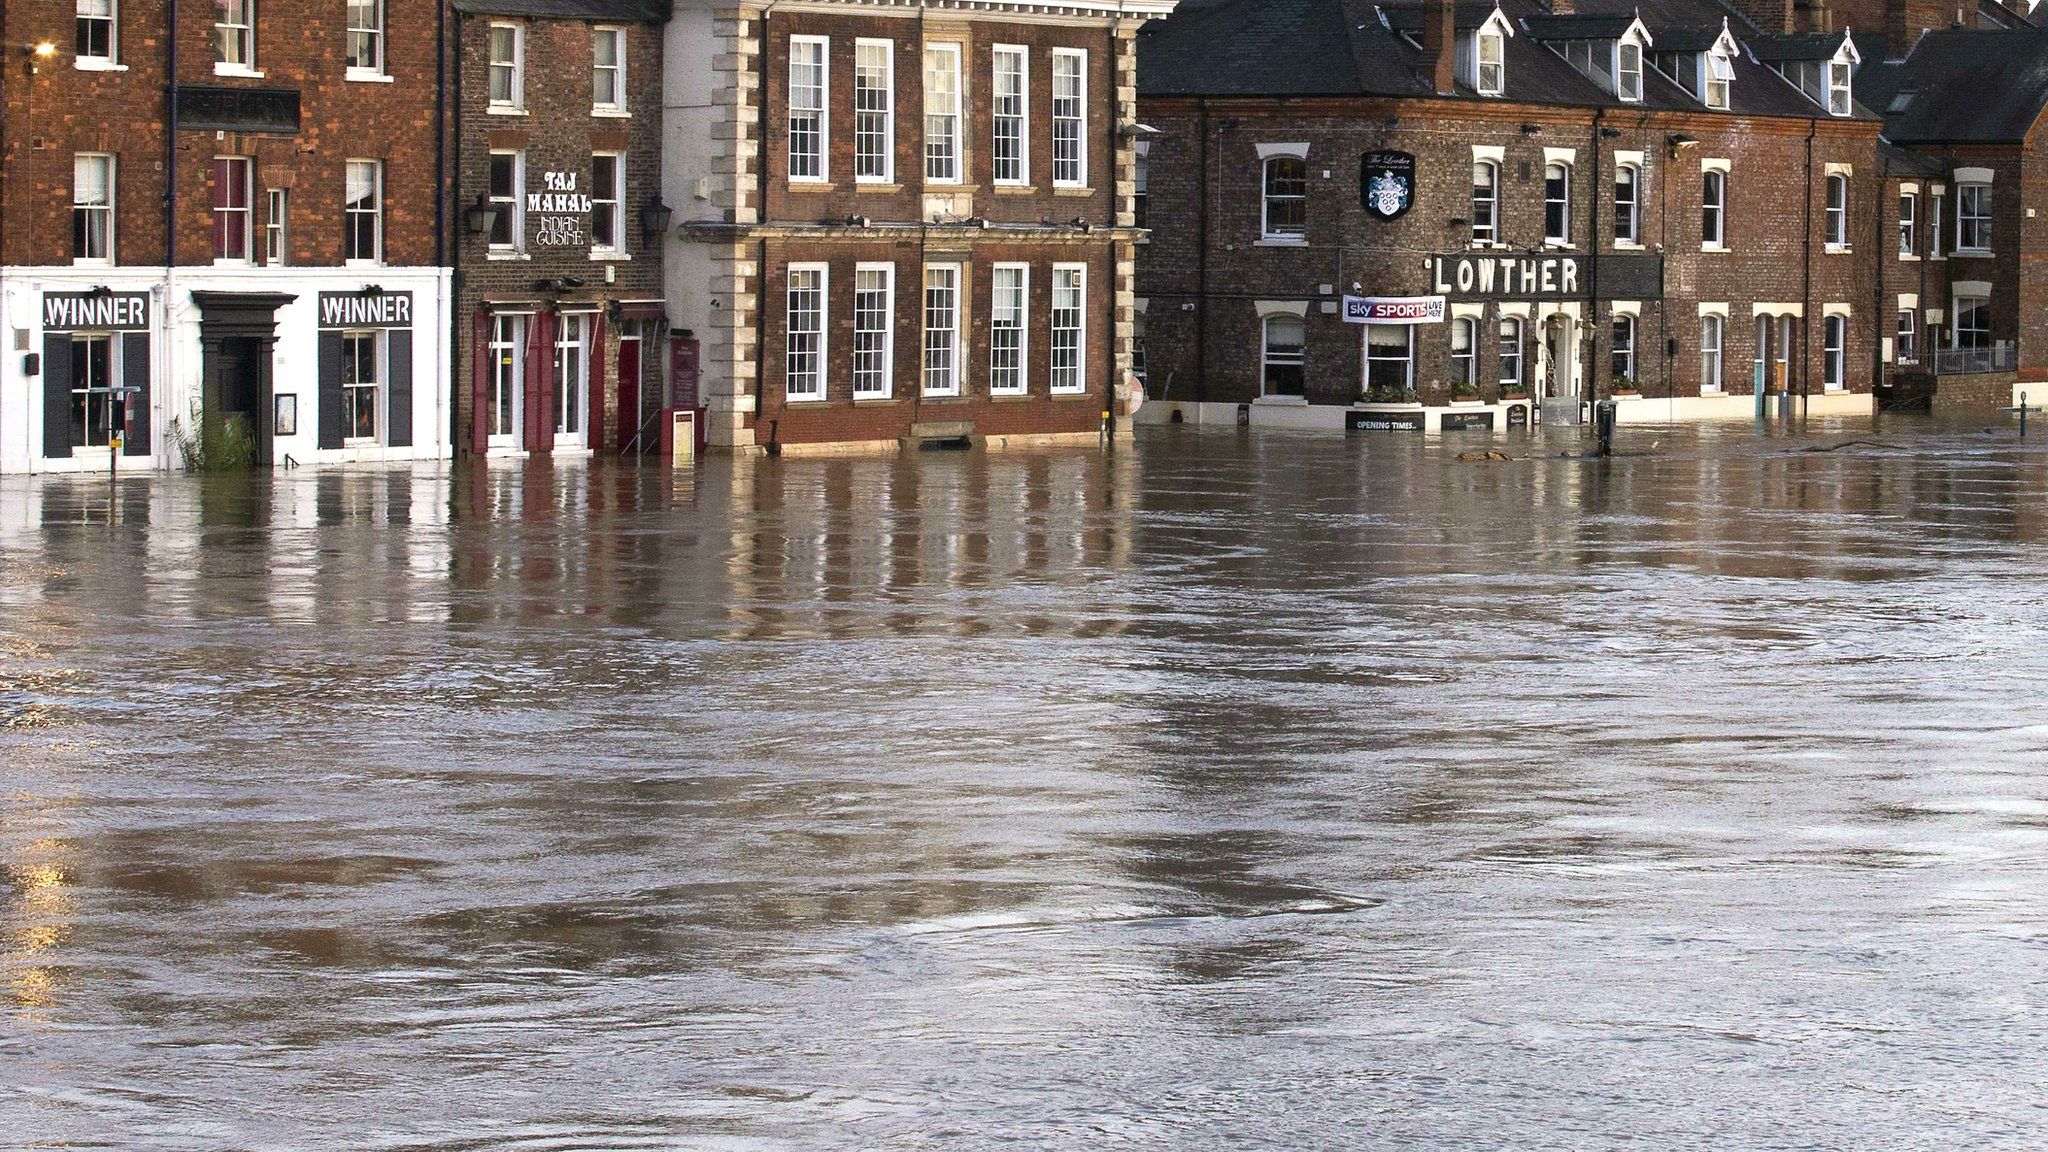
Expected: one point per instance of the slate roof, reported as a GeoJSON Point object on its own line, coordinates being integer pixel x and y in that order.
{"type": "Point", "coordinates": [1466, 14]}
{"type": "Point", "coordinates": [1812, 46]}
{"type": "Point", "coordinates": [1579, 26]}
{"type": "Point", "coordinates": [1968, 87]}
{"type": "Point", "coordinates": [623, 11]}
{"type": "Point", "coordinates": [1355, 48]}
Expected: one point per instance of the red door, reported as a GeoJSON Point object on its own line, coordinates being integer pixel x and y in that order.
{"type": "Point", "coordinates": [629, 393]}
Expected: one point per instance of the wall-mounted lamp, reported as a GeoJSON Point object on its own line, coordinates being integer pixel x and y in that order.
{"type": "Point", "coordinates": [37, 53]}
{"type": "Point", "coordinates": [1678, 140]}
{"type": "Point", "coordinates": [655, 217]}
{"type": "Point", "coordinates": [481, 216]}
{"type": "Point", "coordinates": [1532, 129]}
{"type": "Point", "coordinates": [1132, 131]}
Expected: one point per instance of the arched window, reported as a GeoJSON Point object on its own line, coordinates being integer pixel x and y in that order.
{"type": "Point", "coordinates": [1627, 202]}
{"type": "Point", "coordinates": [1282, 358]}
{"type": "Point", "coordinates": [1557, 204]}
{"type": "Point", "coordinates": [1838, 211]}
{"type": "Point", "coordinates": [1622, 354]}
{"type": "Point", "coordinates": [1713, 209]}
{"type": "Point", "coordinates": [1628, 70]}
{"type": "Point", "coordinates": [1834, 346]}
{"type": "Point", "coordinates": [1510, 354]}
{"type": "Point", "coordinates": [1285, 215]}
{"type": "Point", "coordinates": [1464, 358]}
{"type": "Point", "coordinates": [1485, 202]}
{"type": "Point", "coordinates": [1711, 330]}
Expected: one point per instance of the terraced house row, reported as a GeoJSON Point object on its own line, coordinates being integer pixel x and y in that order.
{"type": "Point", "coordinates": [328, 231]}
{"type": "Point", "coordinates": [304, 232]}
{"type": "Point", "coordinates": [1431, 214]}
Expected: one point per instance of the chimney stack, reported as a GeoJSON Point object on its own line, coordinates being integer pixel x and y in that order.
{"type": "Point", "coordinates": [1560, 7]}
{"type": "Point", "coordinates": [1440, 45]}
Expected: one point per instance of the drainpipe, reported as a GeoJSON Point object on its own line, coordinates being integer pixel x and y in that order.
{"type": "Point", "coordinates": [1806, 274]}
{"type": "Point", "coordinates": [450, 255]}
{"type": "Point", "coordinates": [1593, 259]}
{"type": "Point", "coordinates": [761, 219]}
{"type": "Point", "coordinates": [1202, 266]}
{"type": "Point", "coordinates": [171, 153]}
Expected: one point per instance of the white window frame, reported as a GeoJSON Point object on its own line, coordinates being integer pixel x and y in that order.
{"type": "Point", "coordinates": [615, 247]}
{"type": "Point", "coordinates": [1071, 126]}
{"type": "Point", "coordinates": [944, 133]}
{"type": "Point", "coordinates": [112, 19]}
{"type": "Point", "coordinates": [277, 233]}
{"type": "Point", "coordinates": [1981, 218]}
{"type": "Point", "coordinates": [1079, 329]}
{"type": "Point", "coordinates": [1488, 234]}
{"type": "Point", "coordinates": [1019, 329]}
{"type": "Point", "coordinates": [1018, 118]}
{"type": "Point", "coordinates": [1967, 304]}
{"type": "Point", "coordinates": [1837, 75]}
{"type": "Point", "coordinates": [944, 378]}
{"type": "Point", "coordinates": [105, 210]}
{"type": "Point", "coordinates": [97, 392]}
{"type": "Point", "coordinates": [1634, 204]}
{"type": "Point", "coordinates": [1268, 360]}
{"type": "Point", "coordinates": [1266, 199]}
{"type": "Point", "coordinates": [1465, 363]}
{"type": "Point", "coordinates": [1906, 338]}
{"type": "Point", "coordinates": [514, 69]}
{"type": "Point", "coordinates": [242, 35]}
{"type": "Point", "coordinates": [1565, 239]}
{"type": "Point", "coordinates": [863, 389]}
{"type": "Point", "coordinates": [1717, 79]}
{"type": "Point", "coordinates": [1503, 358]}
{"type": "Point", "coordinates": [1407, 360]}
{"type": "Point", "coordinates": [374, 33]}
{"type": "Point", "coordinates": [1497, 83]}
{"type": "Point", "coordinates": [1620, 354]}
{"type": "Point", "coordinates": [508, 334]}
{"type": "Point", "coordinates": [570, 378]}
{"type": "Point", "coordinates": [376, 213]}
{"type": "Point", "coordinates": [1834, 356]}
{"type": "Point", "coordinates": [1716, 238]}
{"type": "Point", "coordinates": [617, 36]}
{"type": "Point", "coordinates": [1715, 382]}
{"type": "Point", "coordinates": [1909, 225]}
{"type": "Point", "coordinates": [512, 208]}
{"type": "Point", "coordinates": [877, 166]}
{"type": "Point", "coordinates": [813, 166]}
{"type": "Point", "coordinates": [790, 332]}
{"type": "Point", "coordinates": [1936, 212]}
{"type": "Point", "coordinates": [247, 212]}
{"type": "Point", "coordinates": [350, 392]}
{"type": "Point", "coordinates": [1623, 90]}
{"type": "Point", "coordinates": [1835, 212]}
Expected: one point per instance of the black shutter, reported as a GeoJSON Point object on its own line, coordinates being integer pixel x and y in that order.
{"type": "Point", "coordinates": [135, 374]}
{"type": "Point", "coordinates": [57, 396]}
{"type": "Point", "coordinates": [398, 390]}
{"type": "Point", "coordinates": [331, 431]}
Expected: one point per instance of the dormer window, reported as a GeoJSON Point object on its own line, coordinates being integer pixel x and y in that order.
{"type": "Point", "coordinates": [1720, 74]}
{"type": "Point", "coordinates": [1628, 70]}
{"type": "Point", "coordinates": [1839, 102]}
{"type": "Point", "coordinates": [1492, 77]}
{"type": "Point", "coordinates": [1826, 82]}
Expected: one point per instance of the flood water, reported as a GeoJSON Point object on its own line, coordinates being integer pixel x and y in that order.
{"type": "Point", "coordinates": [1229, 791]}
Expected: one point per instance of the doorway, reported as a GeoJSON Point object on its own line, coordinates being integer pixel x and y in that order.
{"type": "Point", "coordinates": [237, 336]}
{"type": "Point", "coordinates": [1558, 370]}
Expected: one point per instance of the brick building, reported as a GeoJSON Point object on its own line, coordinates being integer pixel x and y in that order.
{"type": "Point", "coordinates": [558, 249]}
{"type": "Point", "coordinates": [904, 221]}
{"type": "Point", "coordinates": [1438, 215]}
{"type": "Point", "coordinates": [223, 222]}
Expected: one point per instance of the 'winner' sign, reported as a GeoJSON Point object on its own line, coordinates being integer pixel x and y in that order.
{"type": "Point", "coordinates": [366, 310]}
{"type": "Point", "coordinates": [1393, 309]}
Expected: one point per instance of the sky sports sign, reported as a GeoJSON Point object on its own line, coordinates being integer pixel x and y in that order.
{"type": "Point", "coordinates": [1393, 309]}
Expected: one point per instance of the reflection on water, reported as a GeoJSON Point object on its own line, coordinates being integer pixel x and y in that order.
{"type": "Point", "coordinates": [1232, 791]}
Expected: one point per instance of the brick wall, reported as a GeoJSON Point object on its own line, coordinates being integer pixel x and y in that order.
{"type": "Point", "coordinates": [1775, 218]}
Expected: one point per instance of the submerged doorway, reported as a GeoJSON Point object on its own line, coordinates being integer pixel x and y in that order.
{"type": "Point", "coordinates": [1557, 370]}
{"type": "Point", "coordinates": [237, 336]}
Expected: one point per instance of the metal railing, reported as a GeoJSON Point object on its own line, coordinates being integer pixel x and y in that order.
{"type": "Point", "coordinates": [2000, 357]}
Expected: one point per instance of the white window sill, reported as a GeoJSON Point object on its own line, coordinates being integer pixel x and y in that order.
{"type": "Point", "coordinates": [1058, 392]}
{"type": "Point", "coordinates": [224, 262]}
{"type": "Point", "coordinates": [505, 110]}
{"type": "Point", "coordinates": [610, 113]}
{"type": "Point", "coordinates": [1909, 256]}
{"type": "Point", "coordinates": [876, 184]}
{"type": "Point", "coordinates": [1973, 253]}
{"type": "Point", "coordinates": [1484, 245]}
{"type": "Point", "coordinates": [237, 70]}
{"type": "Point", "coordinates": [609, 256]}
{"type": "Point", "coordinates": [806, 399]}
{"type": "Point", "coordinates": [1838, 250]}
{"type": "Point", "coordinates": [94, 262]}
{"type": "Point", "coordinates": [1280, 242]}
{"type": "Point", "coordinates": [1283, 401]}
{"type": "Point", "coordinates": [362, 442]}
{"type": "Point", "coordinates": [951, 394]}
{"type": "Point", "coordinates": [1831, 389]}
{"type": "Point", "coordinates": [1062, 189]}
{"type": "Point", "coordinates": [508, 254]}
{"type": "Point", "coordinates": [1713, 392]}
{"type": "Point", "coordinates": [1713, 247]}
{"type": "Point", "coordinates": [1558, 245]}
{"type": "Point", "coordinates": [1627, 246]}
{"type": "Point", "coordinates": [362, 263]}
{"type": "Point", "coordinates": [97, 64]}
{"type": "Point", "coordinates": [366, 76]}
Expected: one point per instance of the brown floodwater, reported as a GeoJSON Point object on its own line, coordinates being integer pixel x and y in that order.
{"type": "Point", "coordinates": [1230, 790]}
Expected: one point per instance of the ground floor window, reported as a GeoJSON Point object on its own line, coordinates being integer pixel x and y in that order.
{"type": "Point", "coordinates": [1464, 358]}
{"type": "Point", "coordinates": [874, 311]}
{"type": "Point", "coordinates": [1010, 285]}
{"type": "Point", "coordinates": [1905, 350]}
{"type": "Point", "coordinates": [572, 376]}
{"type": "Point", "coordinates": [942, 330]}
{"type": "Point", "coordinates": [1973, 322]}
{"type": "Point", "coordinates": [804, 365]}
{"type": "Point", "coordinates": [95, 406]}
{"type": "Point", "coordinates": [1069, 318]}
{"type": "Point", "coordinates": [1389, 363]}
{"type": "Point", "coordinates": [1621, 360]}
{"type": "Point", "coordinates": [508, 374]}
{"type": "Point", "coordinates": [1511, 354]}
{"type": "Point", "coordinates": [1712, 328]}
{"type": "Point", "coordinates": [1834, 349]}
{"type": "Point", "coordinates": [361, 379]}
{"type": "Point", "coordinates": [1285, 355]}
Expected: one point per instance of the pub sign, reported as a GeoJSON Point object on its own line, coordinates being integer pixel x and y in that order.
{"type": "Point", "coordinates": [1386, 183]}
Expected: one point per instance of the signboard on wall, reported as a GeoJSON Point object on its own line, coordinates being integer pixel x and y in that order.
{"type": "Point", "coordinates": [1386, 183]}
{"type": "Point", "coordinates": [558, 211]}
{"type": "Point", "coordinates": [366, 309]}
{"type": "Point", "coordinates": [1558, 276]}
{"type": "Point", "coordinates": [1393, 309]}
{"type": "Point", "coordinates": [95, 311]}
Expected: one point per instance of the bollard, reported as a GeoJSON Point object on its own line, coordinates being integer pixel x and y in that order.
{"type": "Point", "coordinates": [1603, 426]}
{"type": "Point", "coordinates": [2023, 415]}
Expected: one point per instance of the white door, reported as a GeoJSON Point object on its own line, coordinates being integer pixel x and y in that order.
{"type": "Point", "coordinates": [506, 401]}
{"type": "Point", "coordinates": [572, 381]}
